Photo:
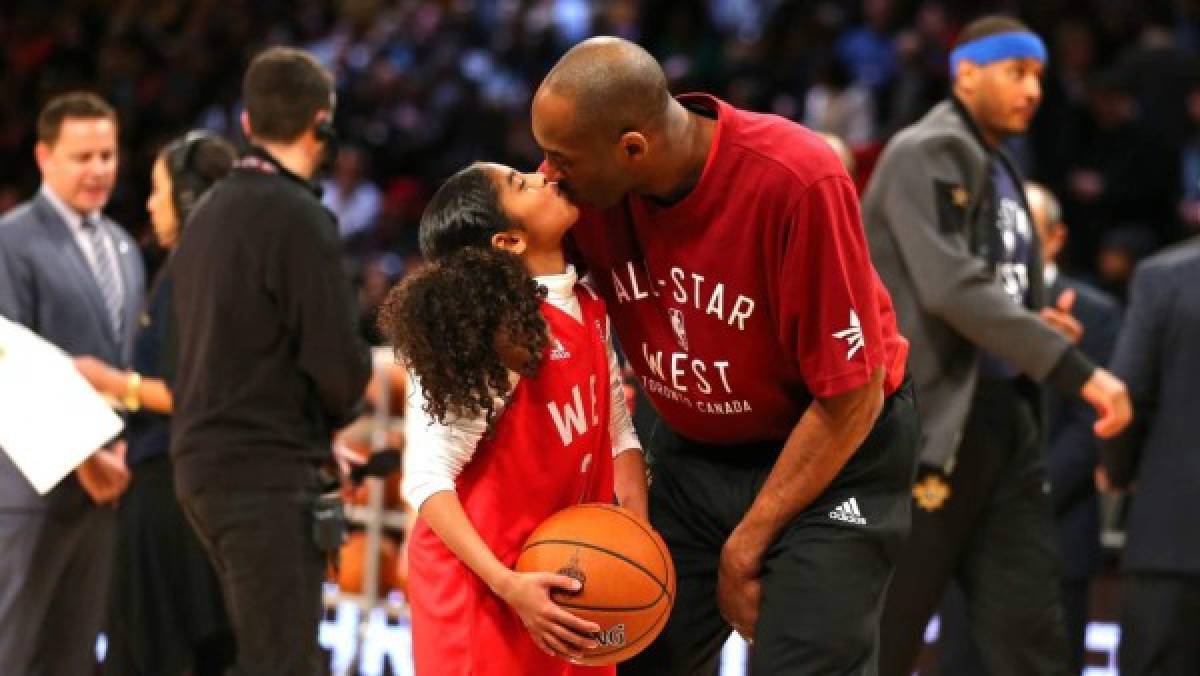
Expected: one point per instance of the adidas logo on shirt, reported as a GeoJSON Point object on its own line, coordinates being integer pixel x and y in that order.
{"type": "Point", "coordinates": [848, 512]}
{"type": "Point", "coordinates": [558, 351]}
{"type": "Point", "coordinates": [853, 335]}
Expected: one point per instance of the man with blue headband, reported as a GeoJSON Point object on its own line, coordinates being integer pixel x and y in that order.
{"type": "Point", "coordinates": [952, 237]}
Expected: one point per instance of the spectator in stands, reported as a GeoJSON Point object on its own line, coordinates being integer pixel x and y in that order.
{"type": "Point", "coordinates": [351, 195]}
{"type": "Point", "coordinates": [1123, 171]}
{"type": "Point", "coordinates": [836, 105]}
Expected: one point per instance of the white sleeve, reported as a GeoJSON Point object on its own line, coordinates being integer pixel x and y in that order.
{"type": "Point", "coordinates": [435, 453]}
{"type": "Point", "coordinates": [620, 423]}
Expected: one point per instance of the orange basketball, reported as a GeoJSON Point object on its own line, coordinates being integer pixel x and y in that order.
{"type": "Point", "coordinates": [627, 574]}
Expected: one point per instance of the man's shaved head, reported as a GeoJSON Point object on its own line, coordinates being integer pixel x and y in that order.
{"type": "Point", "coordinates": [613, 85]}
{"type": "Point", "coordinates": [603, 116]}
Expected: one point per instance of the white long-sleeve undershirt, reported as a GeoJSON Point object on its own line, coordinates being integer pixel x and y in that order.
{"type": "Point", "coordinates": [435, 453]}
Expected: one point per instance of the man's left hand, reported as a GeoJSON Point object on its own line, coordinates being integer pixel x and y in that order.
{"type": "Point", "coordinates": [739, 589]}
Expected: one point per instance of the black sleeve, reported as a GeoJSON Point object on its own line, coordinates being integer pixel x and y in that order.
{"type": "Point", "coordinates": [306, 277]}
{"type": "Point", "coordinates": [1072, 371]}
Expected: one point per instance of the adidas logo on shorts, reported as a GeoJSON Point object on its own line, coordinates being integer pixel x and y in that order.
{"type": "Point", "coordinates": [848, 512]}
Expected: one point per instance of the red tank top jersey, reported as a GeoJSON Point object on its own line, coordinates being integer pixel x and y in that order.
{"type": "Point", "coordinates": [754, 293]}
{"type": "Point", "coordinates": [549, 448]}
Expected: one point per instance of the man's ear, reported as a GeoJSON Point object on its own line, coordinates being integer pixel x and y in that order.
{"type": "Point", "coordinates": [634, 146]}
{"type": "Point", "coordinates": [512, 241]}
{"type": "Point", "coordinates": [966, 77]}
{"type": "Point", "coordinates": [246, 130]}
{"type": "Point", "coordinates": [41, 153]}
{"type": "Point", "coordinates": [1061, 235]}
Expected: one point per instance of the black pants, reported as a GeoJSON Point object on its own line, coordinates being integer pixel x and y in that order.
{"type": "Point", "coordinates": [995, 537]}
{"type": "Point", "coordinates": [1160, 625]}
{"type": "Point", "coordinates": [271, 571]}
{"type": "Point", "coordinates": [959, 657]}
{"type": "Point", "coordinates": [166, 616]}
{"type": "Point", "coordinates": [823, 580]}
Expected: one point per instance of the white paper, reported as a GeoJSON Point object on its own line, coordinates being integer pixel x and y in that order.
{"type": "Point", "coordinates": [51, 419]}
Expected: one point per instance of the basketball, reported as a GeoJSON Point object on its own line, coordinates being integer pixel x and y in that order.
{"type": "Point", "coordinates": [627, 575]}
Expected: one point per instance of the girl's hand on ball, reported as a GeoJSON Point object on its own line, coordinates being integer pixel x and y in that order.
{"type": "Point", "coordinates": [553, 629]}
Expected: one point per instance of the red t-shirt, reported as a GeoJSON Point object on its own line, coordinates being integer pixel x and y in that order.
{"type": "Point", "coordinates": [751, 295]}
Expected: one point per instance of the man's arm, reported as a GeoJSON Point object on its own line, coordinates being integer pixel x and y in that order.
{"type": "Point", "coordinates": [828, 433]}
{"type": "Point", "coordinates": [826, 284]}
{"type": "Point", "coordinates": [318, 308]}
{"type": "Point", "coordinates": [951, 283]}
{"type": "Point", "coordinates": [15, 285]}
{"type": "Point", "coordinates": [1136, 361]}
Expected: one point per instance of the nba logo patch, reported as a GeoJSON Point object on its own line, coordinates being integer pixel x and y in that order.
{"type": "Point", "coordinates": [677, 325]}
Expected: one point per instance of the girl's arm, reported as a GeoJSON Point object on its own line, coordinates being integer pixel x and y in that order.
{"type": "Point", "coordinates": [435, 455]}
{"type": "Point", "coordinates": [629, 466]}
{"type": "Point", "coordinates": [150, 393]}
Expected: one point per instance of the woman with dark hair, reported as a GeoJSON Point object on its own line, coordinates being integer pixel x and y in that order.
{"type": "Point", "coordinates": [510, 354]}
{"type": "Point", "coordinates": [165, 612]}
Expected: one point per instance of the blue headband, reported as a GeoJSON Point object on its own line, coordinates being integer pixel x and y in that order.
{"type": "Point", "coordinates": [998, 47]}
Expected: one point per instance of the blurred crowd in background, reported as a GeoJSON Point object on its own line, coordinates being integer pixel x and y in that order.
{"type": "Point", "coordinates": [426, 86]}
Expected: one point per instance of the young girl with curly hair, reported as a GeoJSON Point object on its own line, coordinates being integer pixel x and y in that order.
{"type": "Point", "coordinates": [521, 413]}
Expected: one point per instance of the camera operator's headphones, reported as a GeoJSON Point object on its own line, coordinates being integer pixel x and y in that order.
{"type": "Point", "coordinates": [326, 132]}
{"type": "Point", "coordinates": [187, 183]}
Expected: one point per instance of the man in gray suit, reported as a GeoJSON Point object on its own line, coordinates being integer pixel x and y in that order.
{"type": "Point", "coordinates": [1158, 354]}
{"type": "Point", "coordinates": [951, 236]}
{"type": "Point", "coordinates": [75, 278]}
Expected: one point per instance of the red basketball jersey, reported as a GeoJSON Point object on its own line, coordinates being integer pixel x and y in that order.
{"type": "Point", "coordinates": [550, 448]}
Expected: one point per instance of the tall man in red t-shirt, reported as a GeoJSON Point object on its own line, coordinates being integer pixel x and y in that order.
{"type": "Point", "coordinates": [729, 248]}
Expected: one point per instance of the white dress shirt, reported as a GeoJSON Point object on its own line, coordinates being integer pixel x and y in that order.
{"type": "Point", "coordinates": [436, 453]}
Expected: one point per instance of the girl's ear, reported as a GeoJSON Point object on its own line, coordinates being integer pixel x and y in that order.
{"type": "Point", "coordinates": [512, 241]}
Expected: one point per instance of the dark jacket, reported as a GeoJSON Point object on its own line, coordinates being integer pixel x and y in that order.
{"type": "Point", "coordinates": [148, 432]}
{"type": "Point", "coordinates": [929, 217]}
{"type": "Point", "coordinates": [1158, 357]}
{"type": "Point", "coordinates": [269, 361]}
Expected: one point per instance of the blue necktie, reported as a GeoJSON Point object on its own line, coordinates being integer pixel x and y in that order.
{"type": "Point", "coordinates": [106, 272]}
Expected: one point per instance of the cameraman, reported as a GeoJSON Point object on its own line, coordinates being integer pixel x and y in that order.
{"type": "Point", "coordinates": [269, 364]}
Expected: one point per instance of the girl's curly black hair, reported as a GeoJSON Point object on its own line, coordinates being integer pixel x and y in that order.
{"type": "Point", "coordinates": [461, 321]}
